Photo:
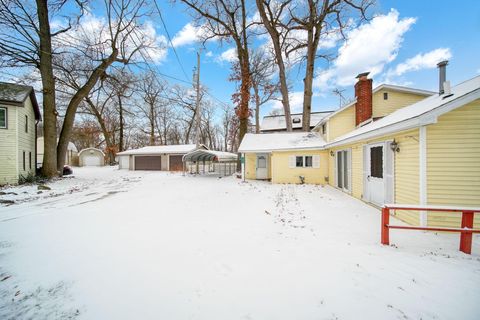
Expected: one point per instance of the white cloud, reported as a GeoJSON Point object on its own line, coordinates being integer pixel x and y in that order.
{"type": "Point", "coordinates": [229, 55]}
{"type": "Point", "coordinates": [209, 54]}
{"type": "Point", "coordinates": [187, 35]}
{"type": "Point", "coordinates": [296, 102]}
{"type": "Point", "coordinates": [422, 61]}
{"type": "Point", "coordinates": [367, 48]}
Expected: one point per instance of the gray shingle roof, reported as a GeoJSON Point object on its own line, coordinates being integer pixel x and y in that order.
{"type": "Point", "coordinates": [13, 93]}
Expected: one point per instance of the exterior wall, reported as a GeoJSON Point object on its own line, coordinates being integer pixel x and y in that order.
{"type": "Point", "coordinates": [341, 123]}
{"type": "Point", "coordinates": [26, 140]}
{"type": "Point", "coordinates": [453, 163]}
{"type": "Point", "coordinates": [281, 173]}
{"type": "Point", "coordinates": [406, 164]}
{"type": "Point", "coordinates": [8, 148]}
{"type": "Point", "coordinates": [395, 101]}
{"type": "Point", "coordinates": [250, 163]}
{"type": "Point", "coordinates": [165, 162]}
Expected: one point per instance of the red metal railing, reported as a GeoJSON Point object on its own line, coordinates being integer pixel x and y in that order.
{"type": "Point", "coordinates": [466, 230]}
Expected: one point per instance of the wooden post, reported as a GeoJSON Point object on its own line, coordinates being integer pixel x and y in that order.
{"type": "Point", "coordinates": [385, 222]}
{"type": "Point", "coordinates": [466, 236]}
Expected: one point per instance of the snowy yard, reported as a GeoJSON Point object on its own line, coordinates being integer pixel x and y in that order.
{"type": "Point", "coordinates": [110, 244]}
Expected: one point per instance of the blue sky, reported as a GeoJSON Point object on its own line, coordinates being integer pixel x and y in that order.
{"type": "Point", "coordinates": [422, 31]}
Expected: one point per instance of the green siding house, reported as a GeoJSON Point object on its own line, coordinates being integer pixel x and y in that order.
{"type": "Point", "coordinates": [19, 115]}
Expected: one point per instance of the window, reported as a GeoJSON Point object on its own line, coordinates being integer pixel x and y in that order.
{"type": "Point", "coordinates": [308, 161]}
{"type": "Point", "coordinates": [26, 123]}
{"type": "Point", "coordinates": [324, 128]}
{"type": "Point", "coordinates": [299, 161]}
{"type": "Point", "coordinates": [30, 160]}
{"type": "Point", "coordinates": [261, 162]}
{"type": "Point", "coordinates": [304, 161]}
{"type": "Point", "coordinates": [296, 120]}
{"type": "Point", "coordinates": [23, 160]}
{"type": "Point", "coordinates": [3, 118]}
{"type": "Point", "coordinates": [385, 96]}
{"type": "Point", "coordinates": [376, 162]}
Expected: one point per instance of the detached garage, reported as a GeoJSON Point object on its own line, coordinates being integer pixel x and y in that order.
{"type": "Point", "coordinates": [165, 158]}
{"type": "Point", "coordinates": [91, 157]}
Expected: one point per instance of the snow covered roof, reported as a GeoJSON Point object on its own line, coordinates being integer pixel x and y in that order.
{"type": "Point", "coordinates": [210, 155]}
{"type": "Point", "coordinates": [420, 113]}
{"type": "Point", "coordinates": [16, 94]}
{"type": "Point", "coordinates": [270, 123]}
{"type": "Point", "coordinates": [267, 142]}
{"type": "Point", "coordinates": [176, 148]}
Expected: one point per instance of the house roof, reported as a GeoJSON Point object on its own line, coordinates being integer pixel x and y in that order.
{"type": "Point", "coordinates": [16, 94]}
{"type": "Point", "coordinates": [278, 122]}
{"type": "Point", "coordinates": [280, 141]}
{"type": "Point", "coordinates": [153, 150]}
{"type": "Point", "coordinates": [390, 87]}
{"type": "Point", "coordinates": [420, 113]}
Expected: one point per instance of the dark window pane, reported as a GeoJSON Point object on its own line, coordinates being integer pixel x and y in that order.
{"type": "Point", "coordinates": [3, 118]}
{"type": "Point", "coordinates": [299, 161]}
{"type": "Point", "coordinates": [376, 162]}
{"type": "Point", "coordinates": [345, 170]}
{"type": "Point", "coordinates": [23, 160]}
{"type": "Point", "coordinates": [26, 123]}
{"type": "Point", "coordinates": [385, 96]}
{"type": "Point", "coordinates": [339, 170]}
{"type": "Point", "coordinates": [308, 161]}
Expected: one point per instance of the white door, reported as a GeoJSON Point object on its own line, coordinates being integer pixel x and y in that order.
{"type": "Point", "coordinates": [91, 160]}
{"type": "Point", "coordinates": [262, 166]}
{"type": "Point", "coordinates": [124, 162]}
{"type": "Point", "coordinates": [375, 170]}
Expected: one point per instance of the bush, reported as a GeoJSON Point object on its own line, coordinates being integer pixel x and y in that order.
{"type": "Point", "coordinates": [30, 178]}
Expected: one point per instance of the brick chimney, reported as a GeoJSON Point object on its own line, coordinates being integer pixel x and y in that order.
{"type": "Point", "coordinates": [363, 93]}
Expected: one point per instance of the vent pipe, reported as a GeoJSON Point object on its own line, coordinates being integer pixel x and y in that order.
{"type": "Point", "coordinates": [442, 70]}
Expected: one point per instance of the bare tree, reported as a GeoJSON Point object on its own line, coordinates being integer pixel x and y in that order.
{"type": "Point", "coordinates": [320, 20]}
{"type": "Point", "coordinates": [272, 13]}
{"type": "Point", "coordinates": [27, 42]}
{"type": "Point", "coordinates": [227, 20]}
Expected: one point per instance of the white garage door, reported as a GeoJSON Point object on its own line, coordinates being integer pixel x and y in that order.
{"type": "Point", "coordinates": [89, 161]}
{"type": "Point", "coordinates": [124, 162]}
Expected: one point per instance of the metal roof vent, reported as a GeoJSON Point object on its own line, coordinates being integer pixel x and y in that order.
{"type": "Point", "coordinates": [296, 120]}
{"type": "Point", "coordinates": [442, 73]}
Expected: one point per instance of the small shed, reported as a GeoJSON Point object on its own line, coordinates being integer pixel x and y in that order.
{"type": "Point", "coordinates": [210, 161]}
{"type": "Point", "coordinates": [91, 157]}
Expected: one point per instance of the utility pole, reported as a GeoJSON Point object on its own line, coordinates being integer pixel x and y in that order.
{"type": "Point", "coordinates": [198, 107]}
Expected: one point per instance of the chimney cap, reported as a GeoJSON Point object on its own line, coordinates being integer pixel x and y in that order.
{"type": "Point", "coordinates": [442, 63]}
{"type": "Point", "coordinates": [361, 75]}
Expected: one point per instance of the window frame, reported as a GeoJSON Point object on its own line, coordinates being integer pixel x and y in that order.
{"type": "Point", "coordinates": [304, 161]}
{"type": "Point", "coordinates": [6, 117]}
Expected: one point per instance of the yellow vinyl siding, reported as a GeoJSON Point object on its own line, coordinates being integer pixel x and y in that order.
{"type": "Point", "coordinates": [395, 101]}
{"type": "Point", "coordinates": [453, 163]}
{"type": "Point", "coordinates": [26, 140]}
{"type": "Point", "coordinates": [341, 123]}
{"type": "Point", "coordinates": [250, 160]}
{"type": "Point", "coordinates": [8, 147]}
{"type": "Point", "coordinates": [406, 165]}
{"type": "Point", "coordinates": [282, 173]}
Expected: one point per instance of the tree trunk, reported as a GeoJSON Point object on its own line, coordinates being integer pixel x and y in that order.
{"type": "Point", "coordinates": [120, 114]}
{"type": "Point", "coordinates": [152, 125]}
{"type": "Point", "coordinates": [257, 107]}
{"type": "Point", "coordinates": [308, 82]}
{"type": "Point", "coordinates": [243, 111]}
{"type": "Point", "coordinates": [279, 59]}
{"type": "Point", "coordinates": [49, 166]}
{"type": "Point", "coordinates": [73, 105]}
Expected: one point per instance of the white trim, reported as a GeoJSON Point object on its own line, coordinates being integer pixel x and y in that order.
{"type": "Point", "coordinates": [423, 173]}
{"type": "Point", "coordinates": [392, 87]}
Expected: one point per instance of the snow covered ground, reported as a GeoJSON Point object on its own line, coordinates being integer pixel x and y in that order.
{"type": "Point", "coordinates": [110, 244]}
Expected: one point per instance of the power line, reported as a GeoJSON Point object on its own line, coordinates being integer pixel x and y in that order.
{"type": "Point", "coordinates": [170, 39]}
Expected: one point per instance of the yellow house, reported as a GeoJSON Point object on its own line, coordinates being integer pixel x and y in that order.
{"type": "Point", "coordinates": [425, 153]}
{"type": "Point", "coordinates": [19, 115]}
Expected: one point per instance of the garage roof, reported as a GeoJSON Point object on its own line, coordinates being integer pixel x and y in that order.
{"type": "Point", "coordinates": [153, 150]}
{"type": "Point", "coordinates": [210, 155]}
{"type": "Point", "coordinates": [266, 142]}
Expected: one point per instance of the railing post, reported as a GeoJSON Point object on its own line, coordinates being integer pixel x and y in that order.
{"type": "Point", "coordinates": [466, 236]}
{"type": "Point", "coordinates": [385, 223]}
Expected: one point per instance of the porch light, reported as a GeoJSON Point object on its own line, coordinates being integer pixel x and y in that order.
{"type": "Point", "coordinates": [332, 153]}
{"type": "Point", "coordinates": [394, 146]}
